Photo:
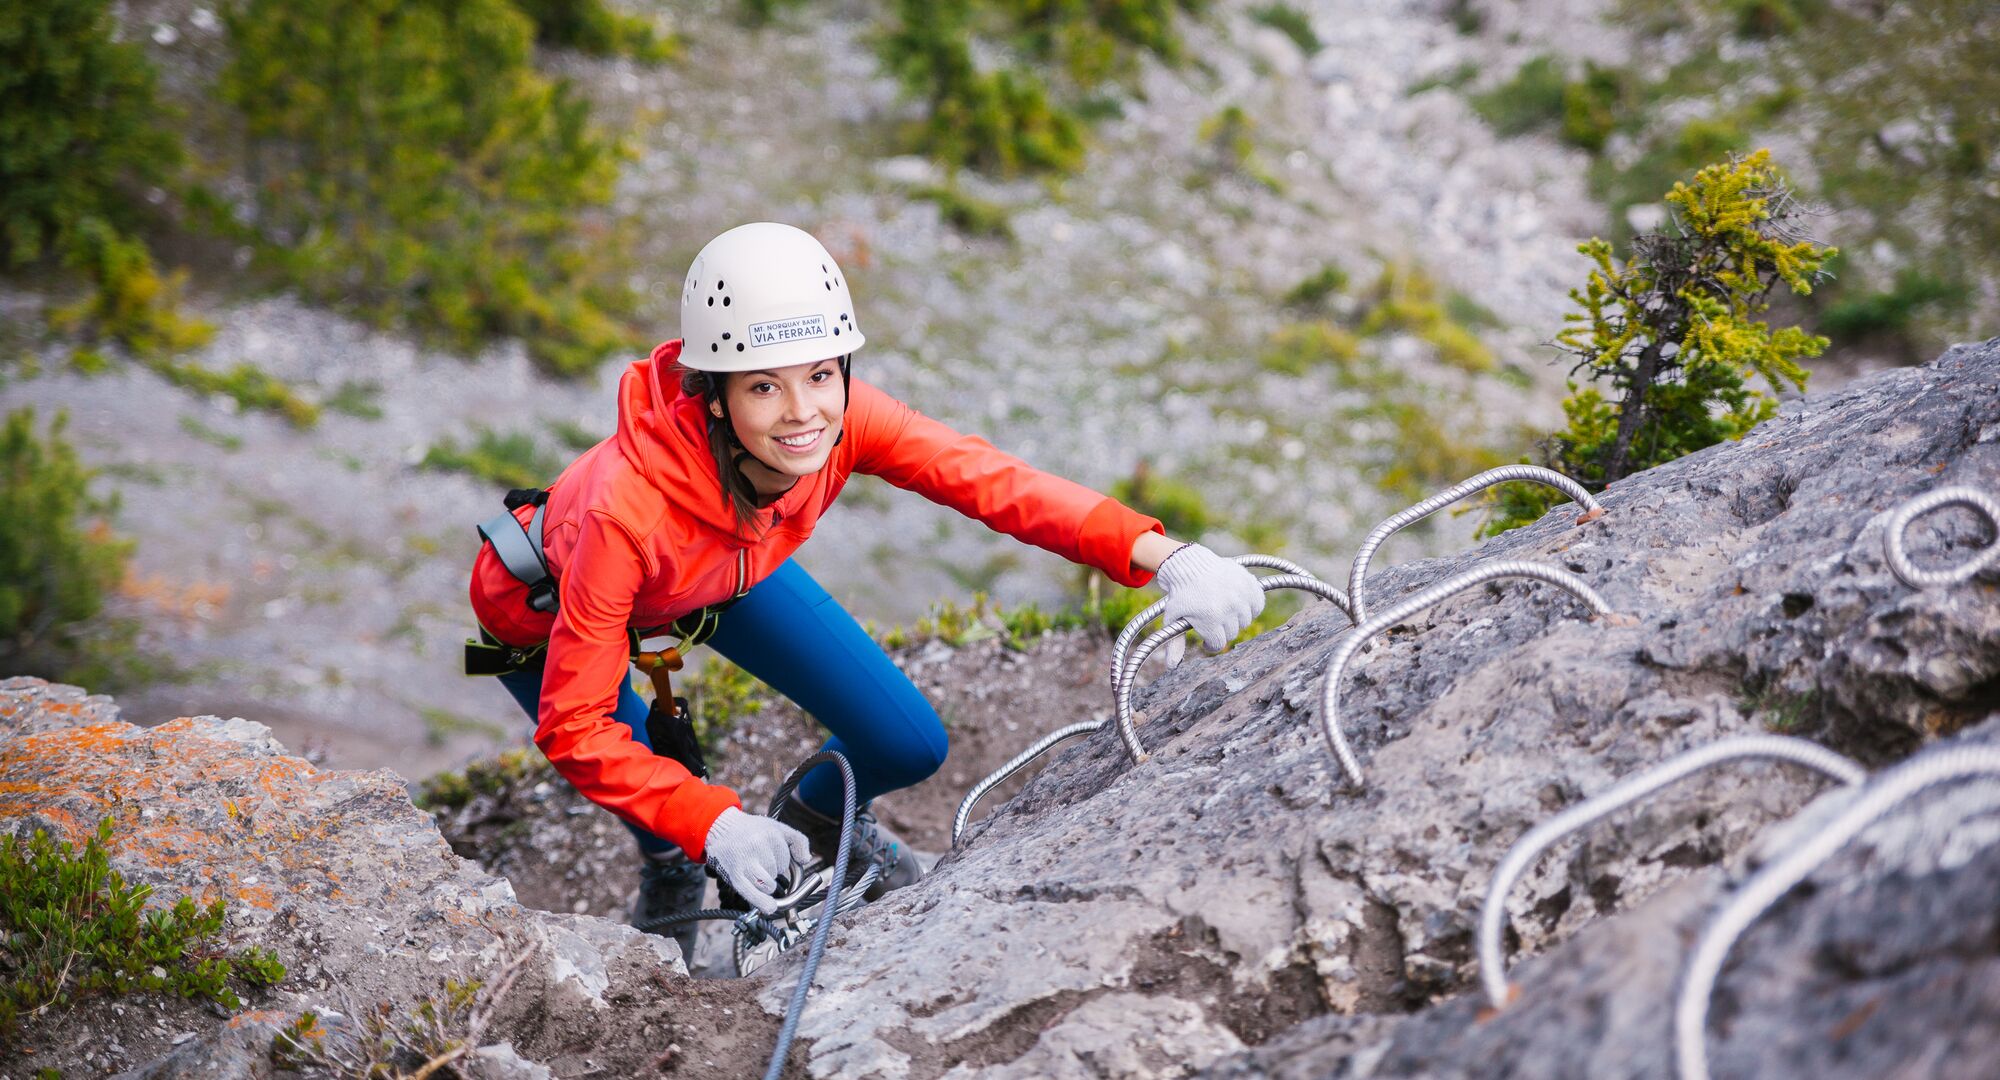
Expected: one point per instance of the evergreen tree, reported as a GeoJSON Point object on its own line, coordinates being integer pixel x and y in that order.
{"type": "Point", "coordinates": [55, 571]}
{"type": "Point", "coordinates": [1673, 333]}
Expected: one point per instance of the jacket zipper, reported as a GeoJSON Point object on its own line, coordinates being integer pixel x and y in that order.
{"type": "Point", "coordinates": [742, 571]}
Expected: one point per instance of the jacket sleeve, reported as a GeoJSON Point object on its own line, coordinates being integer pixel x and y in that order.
{"type": "Point", "coordinates": [586, 663]}
{"type": "Point", "coordinates": [966, 473]}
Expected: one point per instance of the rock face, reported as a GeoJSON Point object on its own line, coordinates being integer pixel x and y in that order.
{"type": "Point", "coordinates": [1233, 905]}
{"type": "Point", "coordinates": [1237, 877]}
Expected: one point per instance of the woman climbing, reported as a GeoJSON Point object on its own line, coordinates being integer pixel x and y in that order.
{"type": "Point", "coordinates": [731, 443]}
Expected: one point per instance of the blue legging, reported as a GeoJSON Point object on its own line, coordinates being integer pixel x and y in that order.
{"type": "Point", "coordinates": [789, 633]}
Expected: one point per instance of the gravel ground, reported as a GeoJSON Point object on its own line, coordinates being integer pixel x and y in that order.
{"type": "Point", "coordinates": [316, 580]}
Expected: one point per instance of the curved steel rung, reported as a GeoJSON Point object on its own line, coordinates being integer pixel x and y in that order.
{"type": "Point", "coordinates": [1493, 914]}
{"type": "Point", "coordinates": [1489, 478]}
{"type": "Point", "coordinates": [1330, 695]}
{"type": "Point", "coordinates": [1899, 523]}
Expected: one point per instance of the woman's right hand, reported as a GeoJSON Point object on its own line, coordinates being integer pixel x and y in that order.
{"type": "Point", "coordinates": [750, 851]}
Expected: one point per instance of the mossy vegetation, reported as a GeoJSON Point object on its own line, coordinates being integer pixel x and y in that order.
{"type": "Point", "coordinates": [1673, 332]}
{"type": "Point", "coordinates": [1181, 509]}
{"type": "Point", "coordinates": [965, 212]}
{"type": "Point", "coordinates": [243, 384]}
{"type": "Point", "coordinates": [1231, 138]}
{"type": "Point", "coordinates": [487, 776]}
{"type": "Point", "coordinates": [506, 459]}
{"type": "Point", "coordinates": [592, 27]}
{"type": "Point", "coordinates": [74, 929]}
{"type": "Point", "coordinates": [1316, 288]}
{"type": "Point", "coordinates": [1405, 299]}
{"type": "Point", "coordinates": [720, 695]}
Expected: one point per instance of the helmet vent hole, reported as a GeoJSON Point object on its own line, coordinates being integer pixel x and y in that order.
{"type": "Point", "coordinates": [725, 301]}
{"type": "Point", "coordinates": [725, 335]}
{"type": "Point", "coordinates": [836, 331]}
{"type": "Point", "coordinates": [829, 286]}
{"type": "Point", "coordinates": [718, 284]}
{"type": "Point", "coordinates": [844, 318]}
{"type": "Point", "coordinates": [711, 301]}
{"type": "Point", "coordinates": [739, 346]}
{"type": "Point", "coordinates": [713, 347]}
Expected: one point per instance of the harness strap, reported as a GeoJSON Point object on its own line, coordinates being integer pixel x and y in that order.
{"type": "Point", "coordinates": [520, 550]}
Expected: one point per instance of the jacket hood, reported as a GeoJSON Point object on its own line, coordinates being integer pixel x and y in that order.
{"type": "Point", "coordinates": [664, 434]}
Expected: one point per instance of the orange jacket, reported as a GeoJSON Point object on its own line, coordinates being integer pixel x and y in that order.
{"type": "Point", "coordinates": [638, 533]}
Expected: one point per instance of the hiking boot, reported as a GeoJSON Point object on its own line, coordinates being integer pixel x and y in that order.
{"type": "Point", "coordinates": [872, 842]}
{"type": "Point", "coordinates": [670, 884]}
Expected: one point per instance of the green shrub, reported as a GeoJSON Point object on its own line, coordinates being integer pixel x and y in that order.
{"type": "Point", "coordinates": [1532, 99]}
{"type": "Point", "coordinates": [720, 694]}
{"type": "Point", "coordinates": [1007, 120]}
{"type": "Point", "coordinates": [1673, 332]}
{"type": "Point", "coordinates": [1892, 311]}
{"type": "Point", "coordinates": [414, 168]}
{"type": "Point", "coordinates": [1303, 347]}
{"type": "Point", "coordinates": [55, 572]}
{"type": "Point", "coordinates": [510, 460]}
{"type": "Point", "coordinates": [967, 213]}
{"type": "Point", "coordinates": [488, 776]}
{"type": "Point", "coordinates": [1315, 288]}
{"type": "Point", "coordinates": [80, 134]}
{"type": "Point", "coordinates": [589, 26]}
{"type": "Point", "coordinates": [1289, 21]}
{"type": "Point", "coordinates": [1180, 508]}
{"type": "Point", "coordinates": [362, 400]}
{"type": "Point", "coordinates": [574, 436]}
{"type": "Point", "coordinates": [74, 929]}
{"type": "Point", "coordinates": [1451, 79]}
{"type": "Point", "coordinates": [1594, 106]}
{"type": "Point", "coordinates": [1406, 299]}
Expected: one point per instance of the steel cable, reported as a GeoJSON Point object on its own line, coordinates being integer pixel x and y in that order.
{"type": "Point", "coordinates": [1905, 515]}
{"type": "Point", "coordinates": [1776, 878]}
{"type": "Point", "coordinates": [1128, 728]}
{"type": "Point", "coordinates": [1352, 643]}
{"type": "Point", "coordinates": [1422, 510]}
{"type": "Point", "coordinates": [1493, 914]}
{"type": "Point", "coordinates": [1124, 670]}
{"type": "Point", "coordinates": [796, 1007]}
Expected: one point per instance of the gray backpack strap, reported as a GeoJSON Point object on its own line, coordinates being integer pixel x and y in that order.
{"type": "Point", "coordinates": [520, 551]}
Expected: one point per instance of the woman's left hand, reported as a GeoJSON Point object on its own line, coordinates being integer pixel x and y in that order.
{"type": "Point", "coordinates": [1218, 597]}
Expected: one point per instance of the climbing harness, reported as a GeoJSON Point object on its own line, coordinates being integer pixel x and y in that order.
{"type": "Point", "coordinates": [1493, 914]}
{"type": "Point", "coordinates": [1491, 477]}
{"type": "Point", "coordinates": [1777, 877]}
{"type": "Point", "coordinates": [805, 913]}
{"type": "Point", "coordinates": [1899, 523]}
{"type": "Point", "coordinates": [1124, 672]}
{"type": "Point", "coordinates": [1329, 712]}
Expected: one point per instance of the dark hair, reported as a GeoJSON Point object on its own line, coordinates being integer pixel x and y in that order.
{"type": "Point", "coordinates": [723, 445]}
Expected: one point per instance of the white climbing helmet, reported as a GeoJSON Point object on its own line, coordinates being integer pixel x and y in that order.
{"type": "Point", "coordinates": [765, 295]}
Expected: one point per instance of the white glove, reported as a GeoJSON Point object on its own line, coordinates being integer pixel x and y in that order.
{"type": "Point", "coordinates": [750, 851]}
{"type": "Point", "coordinates": [1217, 596]}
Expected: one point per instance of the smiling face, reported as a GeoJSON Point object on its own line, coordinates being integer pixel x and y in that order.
{"type": "Point", "coordinates": [788, 418]}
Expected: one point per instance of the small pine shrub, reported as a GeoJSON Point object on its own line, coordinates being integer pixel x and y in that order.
{"type": "Point", "coordinates": [1406, 299]}
{"type": "Point", "coordinates": [245, 385]}
{"type": "Point", "coordinates": [1673, 333]}
{"type": "Point", "coordinates": [1303, 347]}
{"type": "Point", "coordinates": [967, 213]}
{"type": "Point", "coordinates": [720, 694]}
{"type": "Point", "coordinates": [55, 570]}
{"type": "Point", "coordinates": [1594, 106]}
{"type": "Point", "coordinates": [1892, 311]}
{"type": "Point", "coordinates": [73, 928]}
{"type": "Point", "coordinates": [414, 168]}
{"type": "Point", "coordinates": [487, 776]}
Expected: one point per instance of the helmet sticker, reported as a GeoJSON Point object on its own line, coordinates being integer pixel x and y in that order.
{"type": "Point", "coordinates": [780, 331]}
